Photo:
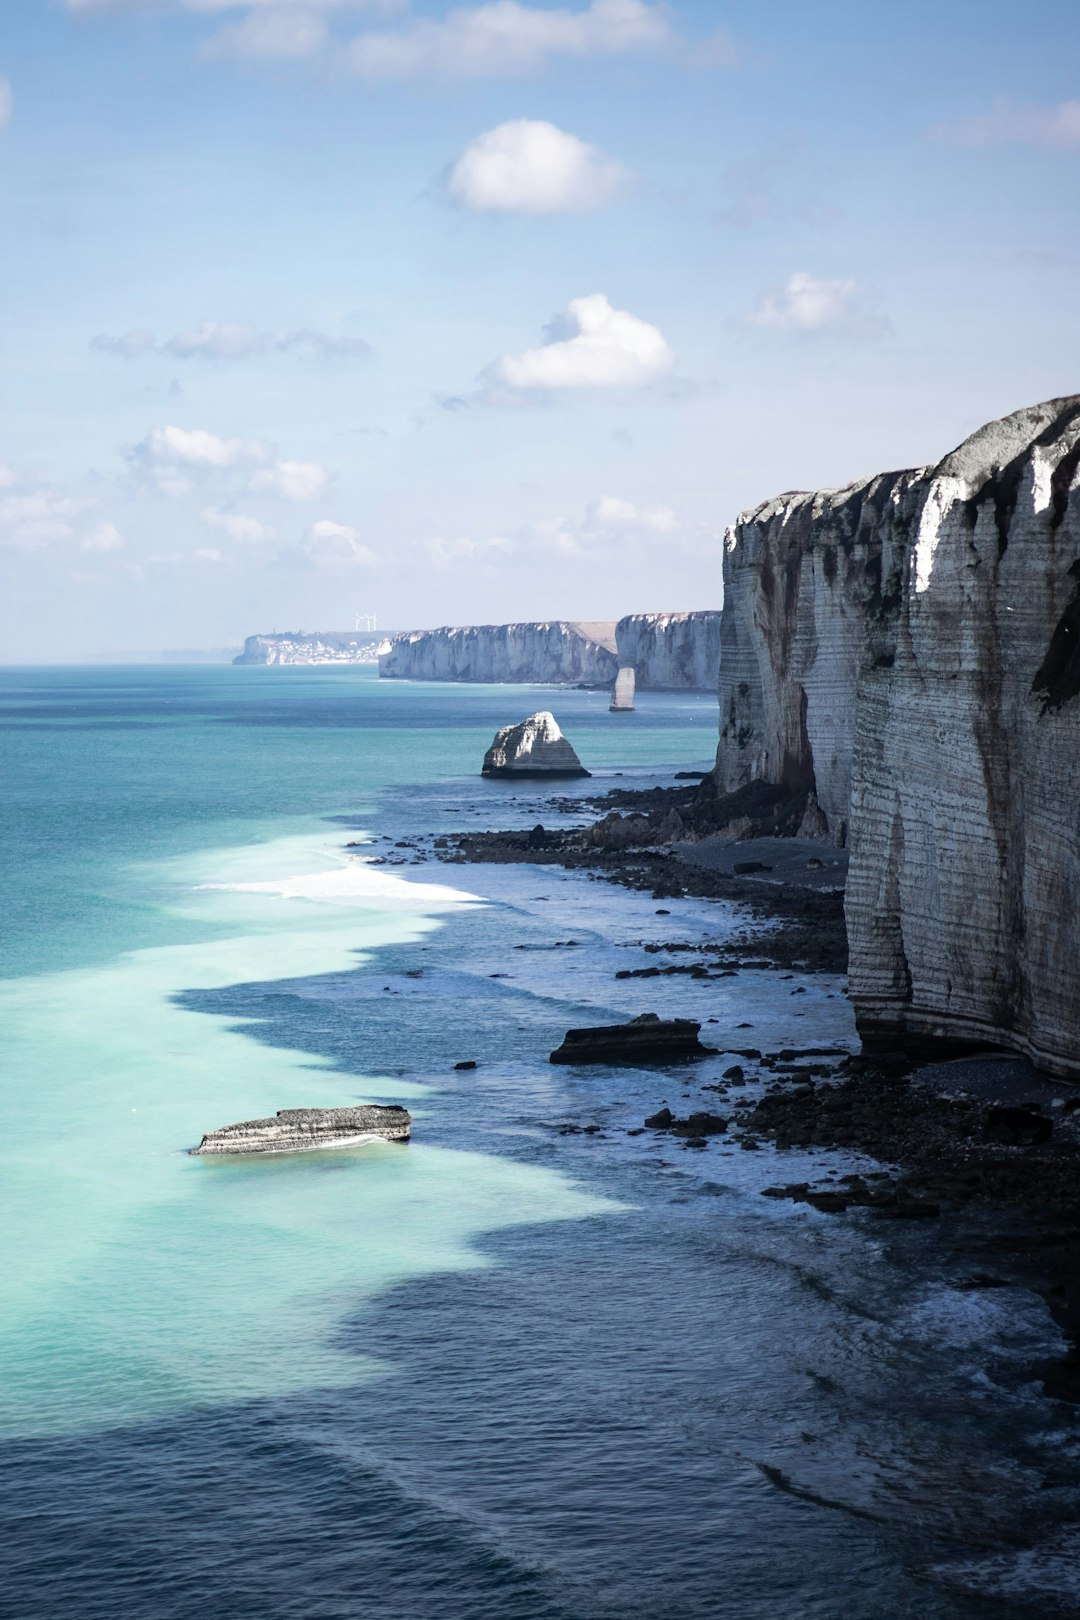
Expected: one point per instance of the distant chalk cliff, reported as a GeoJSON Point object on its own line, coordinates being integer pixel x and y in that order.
{"type": "Point", "coordinates": [561, 651]}
{"type": "Point", "coordinates": [667, 652]}
{"type": "Point", "coordinates": [313, 647]}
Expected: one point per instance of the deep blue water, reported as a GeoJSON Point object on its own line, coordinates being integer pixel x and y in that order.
{"type": "Point", "coordinates": [502, 1373]}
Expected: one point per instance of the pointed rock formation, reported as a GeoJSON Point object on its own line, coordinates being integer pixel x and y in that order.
{"type": "Point", "coordinates": [534, 747]}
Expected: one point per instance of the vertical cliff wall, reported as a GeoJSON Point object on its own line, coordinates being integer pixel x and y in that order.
{"type": "Point", "coordinates": [673, 652]}
{"type": "Point", "coordinates": [556, 650]}
{"type": "Point", "coordinates": [909, 648]}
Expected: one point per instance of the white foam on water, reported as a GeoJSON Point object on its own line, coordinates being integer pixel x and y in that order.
{"type": "Point", "coordinates": [143, 1281]}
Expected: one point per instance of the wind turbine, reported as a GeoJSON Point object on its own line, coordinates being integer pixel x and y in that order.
{"type": "Point", "coordinates": [365, 621]}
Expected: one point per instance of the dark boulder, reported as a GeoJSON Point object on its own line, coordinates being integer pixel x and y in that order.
{"type": "Point", "coordinates": [648, 1039]}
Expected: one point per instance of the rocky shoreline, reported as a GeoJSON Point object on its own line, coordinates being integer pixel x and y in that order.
{"type": "Point", "coordinates": [983, 1131]}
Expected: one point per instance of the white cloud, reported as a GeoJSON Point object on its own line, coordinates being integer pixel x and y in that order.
{"type": "Point", "coordinates": [219, 340]}
{"type": "Point", "coordinates": [231, 340]}
{"type": "Point", "coordinates": [335, 547]}
{"type": "Point", "coordinates": [32, 516]}
{"type": "Point", "coordinates": [102, 537]}
{"type": "Point", "coordinates": [128, 346]}
{"type": "Point", "coordinates": [611, 512]}
{"type": "Point", "coordinates": [1006, 124]}
{"type": "Point", "coordinates": [210, 554]}
{"type": "Point", "coordinates": [507, 38]}
{"type": "Point", "coordinates": [809, 304]}
{"type": "Point", "coordinates": [591, 345]}
{"type": "Point", "coordinates": [237, 526]}
{"type": "Point", "coordinates": [278, 33]}
{"type": "Point", "coordinates": [292, 480]}
{"type": "Point", "coordinates": [7, 102]}
{"type": "Point", "coordinates": [444, 553]}
{"type": "Point", "coordinates": [323, 345]}
{"type": "Point", "coordinates": [196, 447]}
{"type": "Point", "coordinates": [527, 166]}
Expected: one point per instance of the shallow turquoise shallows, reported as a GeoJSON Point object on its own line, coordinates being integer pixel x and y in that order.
{"type": "Point", "coordinates": [515, 1369]}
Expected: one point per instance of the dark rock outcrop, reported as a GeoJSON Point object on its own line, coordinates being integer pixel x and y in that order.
{"type": "Point", "coordinates": [299, 1130]}
{"type": "Point", "coordinates": [648, 1039]}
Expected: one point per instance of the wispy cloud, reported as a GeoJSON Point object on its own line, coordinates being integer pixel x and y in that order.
{"type": "Point", "coordinates": [7, 102]}
{"type": "Point", "coordinates": [176, 459]}
{"type": "Point", "coordinates": [1007, 124]}
{"type": "Point", "coordinates": [231, 341]}
{"type": "Point", "coordinates": [812, 305]}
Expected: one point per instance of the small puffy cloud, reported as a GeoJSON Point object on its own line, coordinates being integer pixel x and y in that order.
{"type": "Point", "coordinates": [291, 480]}
{"type": "Point", "coordinates": [102, 537]}
{"type": "Point", "coordinates": [528, 166]}
{"type": "Point", "coordinates": [335, 547]}
{"type": "Point", "coordinates": [218, 340]}
{"type": "Point", "coordinates": [209, 554]}
{"type": "Point", "coordinates": [591, 345]}
{"type": "Point", "coordinates": [128, 346]}
{"type": "Point", "coordinates": [1006, 124]}
{"type": "Point", "coordinates": [196, 447]}
{"type": "Point", "coordinates": [505, 38]}
{"type": "Point", "coordinates": [7, 102]}
{"type": "Point", "coordinates": [237, 526]}
{"type": "Point", "coordinates": [810, 304]}
{"type": "Point", "coordinates": [611, 512]}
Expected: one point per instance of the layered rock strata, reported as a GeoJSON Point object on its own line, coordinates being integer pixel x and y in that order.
{"type": "Point", "coordinates": [301, 1130]}
{"type": "Point", "coordinates": [534, 747]}
{"type": "Point", "coordinates": [559, 651]}
{"type": "Point", "coordinates": [671, 652]}
{"type": "Point", "coordinates": [907, 650]}
{"type": "Point", "coordinates": [648, 1039]}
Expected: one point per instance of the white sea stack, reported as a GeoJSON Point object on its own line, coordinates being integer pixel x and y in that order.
{"type": "Point", "coordinates": [303, 1130]}
{"type": "Point", "coordinates": [907, 649]}
{"type": "Point", "coordinates": [534, 747]}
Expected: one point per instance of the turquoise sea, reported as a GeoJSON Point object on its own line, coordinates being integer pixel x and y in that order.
{"type": "Point", "coordinates": [502, 1373]}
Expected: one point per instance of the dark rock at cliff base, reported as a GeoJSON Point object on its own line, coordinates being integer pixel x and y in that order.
{"type": "Point", "coordinates": [1016, 1127]}
{"type": "Point", "coordinates": [702, 1124]}
{"type": "Point", "coordinates": [299, 1130]}
{"type": "Point", "coordinates": [648, 1039]}
{"type": "Point", "coordinates": [533, 748]}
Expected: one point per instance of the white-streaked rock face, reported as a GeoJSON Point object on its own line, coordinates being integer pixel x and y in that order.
{"type": "Point", "coordinates": [305, 1130]}
{"type": "Point", "coordinates": [910, 647]}
{"type": "Point", "coordinates": [673, 652]}
{"type": "Point", "coordinates": [534, 747]}
{"type": "Point", "coordinates": [555, 650]}
{"type": "Point", "coordinates": [622, 698]}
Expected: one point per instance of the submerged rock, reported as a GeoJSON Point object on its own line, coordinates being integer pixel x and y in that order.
{"type": "Point", "coordinates": [300, 1130]}
{"type": "Point", "coordinates": [534, 747]}
{"type": "Point", "coordinates": [648, 1039]}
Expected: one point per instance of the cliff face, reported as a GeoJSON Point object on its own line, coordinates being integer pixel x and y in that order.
{"type": "Point", "coordinates": [675, 652]}
{"type": "Point", "coordinates": [554, 650]}
{"type": "Point", "coordinates": [910, 648]}
{"type": "Point", "coordinates": [316, 647]}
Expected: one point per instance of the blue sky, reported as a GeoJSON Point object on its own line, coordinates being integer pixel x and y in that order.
{"type": "Point", "coordinates": [468, 312]}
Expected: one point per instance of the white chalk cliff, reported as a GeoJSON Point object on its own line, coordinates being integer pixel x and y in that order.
{"type": "Point", "coordinates": [553, 650]}
{"type": "Point", "coordinates": [909, 648]}
{"type": "Point", "coordinates": [671, 652]}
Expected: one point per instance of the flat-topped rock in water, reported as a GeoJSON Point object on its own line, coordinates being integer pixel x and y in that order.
{"type": "Point", "coordinates": [534, 747]}
{"type": "Point", "coordinates": [648, 1039]}
{"type": "Point", "coordinates": [301, 1130]}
